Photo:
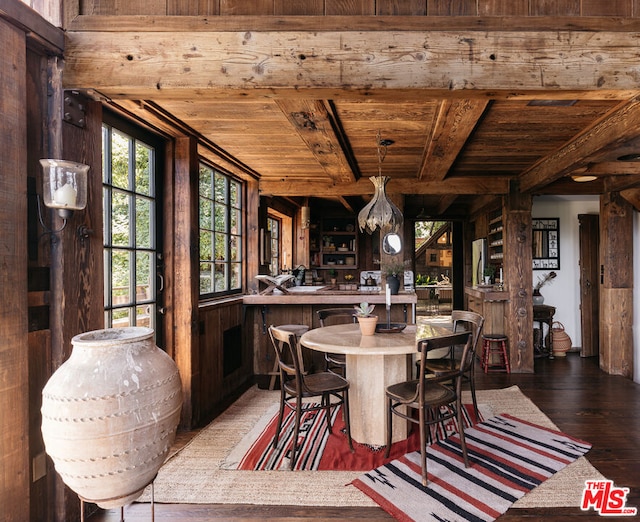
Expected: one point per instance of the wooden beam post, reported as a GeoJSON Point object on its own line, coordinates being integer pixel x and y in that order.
{"type": "Point", "coordinates": [14, 371]}
{"type": "Point", "coordinates": [616, 285]}
{"type": "Point", "coordinates": [516, 219]}
{"type": "Point", "coordinates": [185, 295]}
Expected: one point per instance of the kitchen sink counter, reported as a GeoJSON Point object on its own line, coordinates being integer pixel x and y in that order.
{"type": "Point", "coordinates": [264, 310]}
{"type": "Point", "coordinates": [330, 296]}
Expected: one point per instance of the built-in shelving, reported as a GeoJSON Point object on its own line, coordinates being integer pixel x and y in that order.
{"type": "Point", "coordinates": [495, 240]}
{"type": "Point", "coordinates": [334, 244]}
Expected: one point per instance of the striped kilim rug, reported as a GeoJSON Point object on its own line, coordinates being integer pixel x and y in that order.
{"type": "Point", "coordinates": [508, 457]}
{"type": "Point", "coordinates": [319, 450]}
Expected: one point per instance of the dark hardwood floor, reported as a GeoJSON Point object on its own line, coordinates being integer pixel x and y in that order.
{"type": "Point", "coordinates": [580, 399]}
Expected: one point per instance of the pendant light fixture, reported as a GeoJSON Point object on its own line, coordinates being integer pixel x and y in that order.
{"type": "Point", "coordinates": [380, 211]}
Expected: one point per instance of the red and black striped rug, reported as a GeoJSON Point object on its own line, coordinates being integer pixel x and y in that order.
{"type": "Point", "coordinates": [319, 450]}
{"type": "Point", "coordinates": [508, 458]}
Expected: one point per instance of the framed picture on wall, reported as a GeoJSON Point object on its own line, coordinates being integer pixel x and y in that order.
{"type": "Point", "coordinates": [546, 243]}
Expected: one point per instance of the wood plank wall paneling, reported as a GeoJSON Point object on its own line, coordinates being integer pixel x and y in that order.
{"type": "Point", "coordinates": [350, 7]}
{"type": "Point", "coordinates": [305, 7]}
{"type": "Point", "coordinates": [193, 7]}
{"type": "Point", "coordinates": [402, 7]}
{"type": "Point", "coordinates": [621, 8]}
{"type": "Point", "coordinates": [452, 8]}
{"type": "Point", "coordinates": [39, 295]}
{"type": "Point", "coordinates": [503, 8]}
{"type": "Point", "coordinates": [14, 352]}
{"type": "Point", "coordinates": [242, 7]}
{"type": "Point", "coordinates": [555, 8]}
{"type": "Point", "coordinates": [607, 8]}
{"type": "Point", "coordinates": [39, 373]}
{"type": "Point", "coordinates": [214, 386]}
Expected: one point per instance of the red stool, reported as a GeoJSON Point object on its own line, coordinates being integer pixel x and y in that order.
{"type": "Point", "coordinates": [494, 353]}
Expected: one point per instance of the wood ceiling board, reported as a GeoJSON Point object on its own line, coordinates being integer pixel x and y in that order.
{"type": "Point", "coordinates": [203, 110]}
{"type": "Point", "coordinates": [386, 111]}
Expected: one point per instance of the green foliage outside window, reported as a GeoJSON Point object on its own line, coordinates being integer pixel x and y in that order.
{"type": "Point", "coordinates": [220, 219]}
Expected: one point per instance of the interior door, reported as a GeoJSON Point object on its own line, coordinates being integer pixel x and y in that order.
{"type": "Point", "coordinates": [589, 233]}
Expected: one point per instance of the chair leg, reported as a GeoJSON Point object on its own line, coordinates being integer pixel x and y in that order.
{"type": "Point", "coordinates": [296, 431]}
{"type": "Point", "coordinates": [280, 417]}
{"type": "Point", "coordinates": [423, 445]}
{"type": "Point", "coordinates": [472, 387]}
{"type": "Point", "coordinates": [389, 427]}
{"type": "Point", "coordinates": [463, 442]}
{"type": "Point", "coordinates": [345, 398]}
{"type": "Point", "coordinates": [326, 405]}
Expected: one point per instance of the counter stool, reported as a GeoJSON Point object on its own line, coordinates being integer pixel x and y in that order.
{"type": "Point", "coordinates": [494, 346]}
{"type": "Point", "coordinates": [297, 329]}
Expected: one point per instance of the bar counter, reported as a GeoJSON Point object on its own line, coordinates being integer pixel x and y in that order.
{"type": "Point", "coordinates": [264, 310]}
{"type": "Point", "coordinates": [491, 304]}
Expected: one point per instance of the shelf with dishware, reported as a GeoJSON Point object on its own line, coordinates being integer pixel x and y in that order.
{"type": "Point", "coordinates": [495, 240]}
{"type": "Point", "coordinates": [335, 244]}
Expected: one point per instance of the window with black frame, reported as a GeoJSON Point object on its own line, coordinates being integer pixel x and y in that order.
{"type": "Point", "coordinates": [131, 169]}
{"type": "Point", "coordinates": [220, 232]}
{"type": "Point", "coordinates": [274, 228]}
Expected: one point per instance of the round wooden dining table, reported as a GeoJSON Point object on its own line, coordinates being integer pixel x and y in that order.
{"type": "Point", "coordinates": [372, 363]}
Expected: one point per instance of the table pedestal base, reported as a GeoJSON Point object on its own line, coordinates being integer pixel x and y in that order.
{"type": "Point", "coordinates": [369, 377]}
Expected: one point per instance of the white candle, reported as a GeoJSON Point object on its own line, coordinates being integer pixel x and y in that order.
{"type": "Point", "coordinates": [388, 296]}
{"type": "Point", "coordinates": [501, 274]}
{"type": "Point", "coordinates": [65, 196]}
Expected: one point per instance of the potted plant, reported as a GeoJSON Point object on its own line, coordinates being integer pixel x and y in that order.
{"type": "Point", "coordinates": [489, 272]}
{"type": "Point", "coordinates": [393, 276]}
{"type": "Point", "coordinates": [366, 319]}
{"type": "Point", "coordinates": [333, 276]}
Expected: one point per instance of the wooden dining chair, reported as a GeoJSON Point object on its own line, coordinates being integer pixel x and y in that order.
{"type": "Point", "coordinates": [295, 386]}
{"type": "Point", "coordinates": [428, 395]}
{"type": "Point", "coordinates": [336, 362]}
{"type": "Point", "coordinates": [448, 365]}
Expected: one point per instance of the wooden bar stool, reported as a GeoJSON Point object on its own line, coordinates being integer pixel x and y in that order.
{"type": "Point", "coordinates": [297, 329]}
{"type": "Point", "coordinates": [494, 353]}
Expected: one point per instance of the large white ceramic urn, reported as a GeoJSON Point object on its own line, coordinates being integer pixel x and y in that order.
{"type": "Point", "coordinates": [110, 413]}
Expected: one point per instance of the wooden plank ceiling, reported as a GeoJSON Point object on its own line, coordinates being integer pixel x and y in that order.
{"type": "Point", "coordinates": [449, 151]}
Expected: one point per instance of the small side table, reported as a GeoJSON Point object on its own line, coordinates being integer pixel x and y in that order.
{"type": "Point", "coordinates": [543, 314]}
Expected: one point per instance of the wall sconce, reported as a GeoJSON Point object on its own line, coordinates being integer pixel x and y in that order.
{"type": "Point", "coordinates": [64, 188]}
{"type": "Point", "coordinates": [305, 217]}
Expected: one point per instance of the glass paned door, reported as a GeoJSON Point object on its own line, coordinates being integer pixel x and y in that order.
{"type": "Point", "coordinates": [132, 253]}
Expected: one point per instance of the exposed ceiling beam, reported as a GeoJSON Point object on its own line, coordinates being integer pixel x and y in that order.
{"type": "Point", "coordinates": [318, 130]}
{"type": "Point", "coordinates": [620, 125]}
{"type": "Point", "coordinates": [613, 168]}
{"type": "Point", "coordinates": [292, 187]}
{"type": "Point", "coordinates": [454, 123]}
{"type": "Point", "coordinates": [445, 202]}
{"type": "Point", "coordinates": [120, 61]}
{"type": "Point", "coordinates": [620, 183]}
{"type": "Point", "coordinates": [346, 204]}
{"type": "Point", "coordinates": [633, 197]}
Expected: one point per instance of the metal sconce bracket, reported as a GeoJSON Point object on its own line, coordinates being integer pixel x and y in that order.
{"type": "Point", "coordinates": [74, 109]}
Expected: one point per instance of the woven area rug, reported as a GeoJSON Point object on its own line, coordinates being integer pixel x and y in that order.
{"type": "Point", "coordinates": [194, 474]}
{"type": "Point", "coordinates": [319, 449]}
{"type": "Point", "coordinates": [508, 457]}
